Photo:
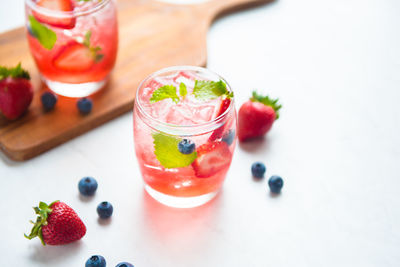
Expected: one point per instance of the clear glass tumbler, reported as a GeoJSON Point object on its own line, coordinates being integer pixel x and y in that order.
{"type": "Point", "coordinates": [74, 43]}
{"type": "Point", "coordinates": [184, 134]}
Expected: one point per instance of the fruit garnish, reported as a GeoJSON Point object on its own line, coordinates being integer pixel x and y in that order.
{"type": "Point", "coordinates": [96, 261]}
{"type": "Point", "coordinates": [266, 100]}
{"type": "Point", "coordinates": [206, 90]}
{"type": "Point", "coordinates": [211, 158]}
{"type": "Point", "coordinates": [167, 152]}
{"type": "Point", "coordinates": [67, 22]}
{"type": "Point", "coordinates": [258, 169]}
{"type": "Point", "coordinates": [217, 134]}
{"type": "Point", "coordinates": [74, 57]}
{"type": "Point", "coordinates": [56, 224]}
{"type": "Point", "coordinates": [275, 184]}
{"type": "Point", "coordinates": [46, 37]}
{"type": "Point", "coordinates": [186, 146]}
{"type": "Point", "coordinates": [16, 92]}
{"type": "Point", "coordinates": [256, 116]}
{"type": "Point", "coordinates": [228, 137]}
{"type": "Point", "coordinates": [105, 210]}
{"type": "Point", "coordinates": [48, 100]}
{"type": "Point", "coordinates": [78, 57]}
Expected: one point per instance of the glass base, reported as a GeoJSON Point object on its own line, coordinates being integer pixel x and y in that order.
{"type": "Point", "coordinates": [180, 202]}
{"type": "Point", "coordinates": [74, 89]}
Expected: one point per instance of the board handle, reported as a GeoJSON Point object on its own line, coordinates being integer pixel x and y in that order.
{"type": "Point", "coordinates": [216, 8]}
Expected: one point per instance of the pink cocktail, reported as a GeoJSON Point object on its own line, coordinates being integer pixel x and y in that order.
{"type": "Point", "coordinates": [184, 131]}
{"type": "Point", "coordinates": [74, 43]}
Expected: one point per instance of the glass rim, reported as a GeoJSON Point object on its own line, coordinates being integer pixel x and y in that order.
{"type": "Point", "coordinates": [65, 14]}
{"type": "Point", "coordinates": [203, 127]}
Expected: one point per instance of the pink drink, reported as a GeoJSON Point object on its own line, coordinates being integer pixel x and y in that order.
{"type": "Point", "coordinates": [209, 124]}
{"type": "Point", "coordinates": [74, 43]}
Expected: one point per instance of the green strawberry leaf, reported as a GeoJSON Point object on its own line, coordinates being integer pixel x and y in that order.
{"type": "Point", "coordinates": [167, 152]}
{"type": "Point", "coordinates": [46, 37]}
{"type": "Point", "coordinates": [207, 90]}
{"type": "Point", "coordinates": [164, 92]}
{"type": "Point", "coordinates": [182, 90]}
{"type": "Point", "coordinates": [266, 100]}
{"type": "Point", "coordinates": [43, 212]}
{"type": "Point", "coordinates": [16, 72]}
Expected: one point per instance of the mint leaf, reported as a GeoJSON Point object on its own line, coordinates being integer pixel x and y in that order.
{"type": "Point", "coordinates": [206, 90]}
{"type": "Point", "coordinates": [167, 152]}
{"type": "Point", "coordinates": [164, 92]}
{"type": "Point", "coordinates": [46, 37]}
{"type": "Point", "coordinates": [86, 41]}
{"type": "Point", "coordinates": [266, 100]}
{"type": "Point", "coordinates": [93, 50]}
{"type": "Point", "coordinates": [182, 90]}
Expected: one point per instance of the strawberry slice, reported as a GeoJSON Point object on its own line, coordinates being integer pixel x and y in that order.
{"type": "Point", "coordinates": [67, 22]}
{"type": "Point", "coordinates": [74, 57]}
{"type": "Point", "coordinates": [211, 158]}
{"type": "Point", "coordinates": [218, 133]}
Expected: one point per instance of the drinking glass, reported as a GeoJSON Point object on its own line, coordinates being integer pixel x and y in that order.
{"type": "Point", "coordinates": [74, 43]}
{"type": "Point", "coordinates": [184, 143]}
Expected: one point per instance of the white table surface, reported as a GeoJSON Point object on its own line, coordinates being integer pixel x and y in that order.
{"type": "Point", "coordinates": [336, 67]}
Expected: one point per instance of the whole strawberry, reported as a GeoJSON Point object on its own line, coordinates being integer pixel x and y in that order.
{"type": "Point", "coordinates": [16, 91]}
{"type": "Point", "coordinates": [56, 224]}
{"type": "Point", "coordinates": [256, 116]}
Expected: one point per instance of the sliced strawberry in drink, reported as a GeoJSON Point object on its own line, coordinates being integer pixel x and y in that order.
{"type": "Point", "coordinates": [211, 158]}
{"type": "Point", "coordinates": [67, 22]}
{"type": "Point", "coordinates": [74, 57]}
{"type": "Point", "coordinates": [218, 133]}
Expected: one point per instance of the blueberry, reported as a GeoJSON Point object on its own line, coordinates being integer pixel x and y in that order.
{"type": "Point", "coordinates": [186, 146]}
{"type": "Point", "coordinates": [124, 264]}
{"type": "Point", "coordinates": [258, 169]}
{"type": "Point", "coordinates": [96, 261]}
{"type": "Point", "coordinates": [85, 105]}
{"type": "Point", "coordinates": [87, 186]}
{"type": "Point", "coordinates": [275, 184]}
{"type": "Point", "coordinates": [49, 100]}
{"type": "Point", "coordinates": [105, 210]}
{"type": "Point", "coordinates": [229, 137]}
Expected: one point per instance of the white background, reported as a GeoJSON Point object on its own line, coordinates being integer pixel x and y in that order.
{"type": "Point", "coordinates": [335, 65]}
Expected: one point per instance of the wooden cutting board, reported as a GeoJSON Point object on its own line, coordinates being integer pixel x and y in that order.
{"type": "Point", "coordinates": [153, 35]}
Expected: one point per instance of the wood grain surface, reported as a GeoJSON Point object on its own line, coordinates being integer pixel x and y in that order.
{"type": "Point", "coordinates": [152, 35]}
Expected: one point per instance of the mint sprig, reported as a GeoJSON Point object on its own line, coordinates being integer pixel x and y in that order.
{"type": "Point", "coordinates": [167, 152]}
{"type": "Point", "coordinates": [266, 100]}
{"type": "Point", "coordinates": [182, 90]}
{"type": "Point", "coordinates": [46, 37]}
{"type": "Point", "coordinates": [16, 72]}
{"type": "Point", "coordinates": [94, 51]}
{"type": "Point", "coordinates": [164, 92]}
{"type": "Point", "coordinates": [207, 90]}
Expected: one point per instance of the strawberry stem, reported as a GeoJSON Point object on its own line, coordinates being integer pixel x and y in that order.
{"type": "Point", "coordinates": [43, 212]}
{"type": "Point", "coordinates": [16, 72]}
{"type": "Point", "coordinates": [266, 100]}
